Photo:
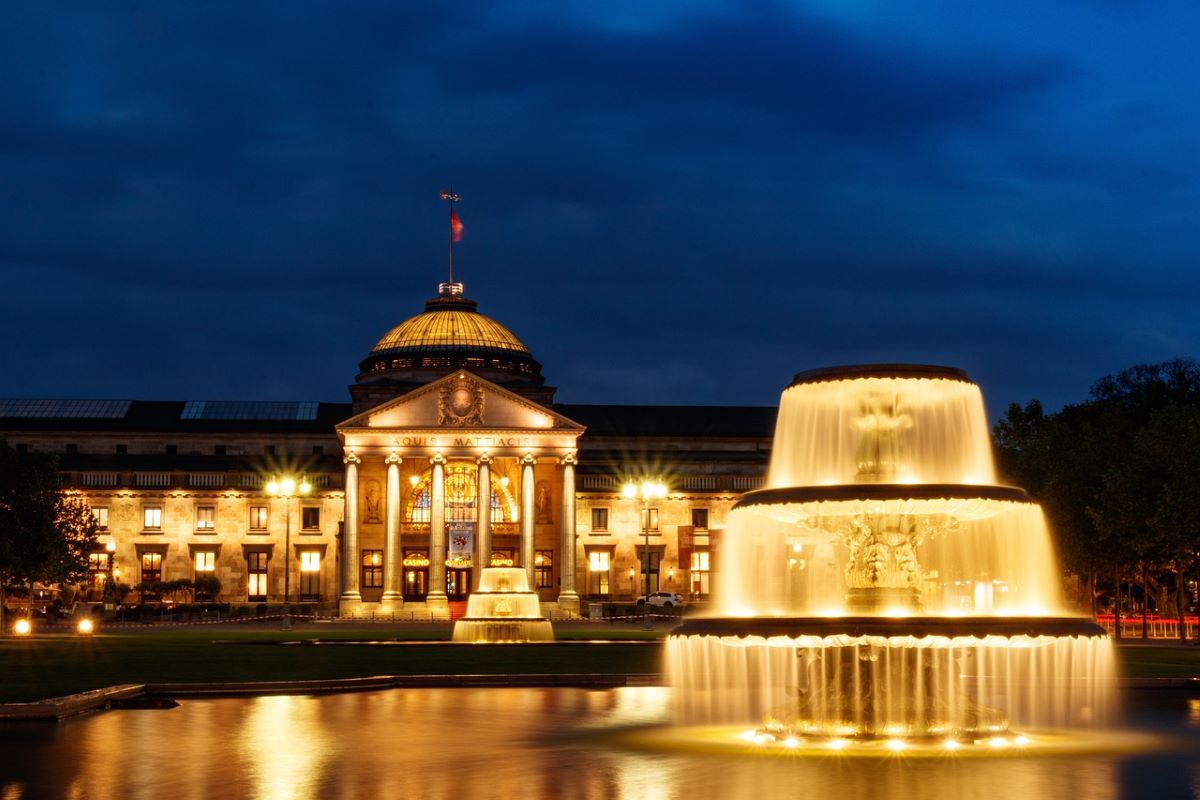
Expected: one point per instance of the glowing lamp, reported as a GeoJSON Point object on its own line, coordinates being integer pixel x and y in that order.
{"type": "Point", "coordinates": [111, 545]}
{"type": "Point", "coordinates": [414, 480]}
{"type": "Point", "coordinates": [22, 627]}
{"type": "Point", "coordinates": [273, 487]}
{"type": "Point", "coordinates": [85, 627]}
{"type": "Point", "coordinates": [287, 486]}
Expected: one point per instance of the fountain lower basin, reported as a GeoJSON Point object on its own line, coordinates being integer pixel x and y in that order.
{"type": "Point", "coordinates": [875, 678]}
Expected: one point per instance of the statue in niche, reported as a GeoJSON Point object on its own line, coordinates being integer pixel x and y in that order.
{"type": "Point", "coordinates": [372, 502]}
{"type": "Point", "coordinates": [541, 501]}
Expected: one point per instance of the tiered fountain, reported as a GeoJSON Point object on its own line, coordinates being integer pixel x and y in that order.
{"type": "Point", "coordinates": [503, 609]}
{"type": "Point", "coordinates": [883, 587]}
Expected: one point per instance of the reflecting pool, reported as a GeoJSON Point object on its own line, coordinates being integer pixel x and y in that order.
{"type": "Point", "coordinates": [527, 743]}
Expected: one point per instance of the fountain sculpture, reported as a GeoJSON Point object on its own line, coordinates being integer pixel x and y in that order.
{"type": "Point", "coordinates": [503, 609]}
{"type": "Point", "coordinates": [883, 586]}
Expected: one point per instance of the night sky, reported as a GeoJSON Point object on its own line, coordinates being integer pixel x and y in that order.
{"type": "Point", "coordinates": [669, 202]}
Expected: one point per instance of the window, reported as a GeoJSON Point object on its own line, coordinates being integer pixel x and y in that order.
{"type": "Point", "coordinates": [310, 518]}
{"type": "Point", "coordinates": [152, 518]}
{"type": "Point", "coordinates": [256, 567]}
{"type": "Point", "coordinates": [206, 518]}
{"type": "Point", "coordinates": [543, 569]}
{"type": "Point", "coordinates": [700, 519]}
{"type": "Point", "coordinates": [600, 520]}
{"type": "Point", "coordinates": [100, 514]}
{"type": "Point", "coordinates": [206, 562]}
{"type": "Point", "coordinates": [416, 574]}
{"type": "Point", "coordinates": [310, 575]}
{"type": "Point", "coordinates": [258, 518]}
{"type": "Point", "coordinates": [700, 574]}
{"type": "Point", "coordinates": [598, 573]}
{"type": "Point", "coordinates": [151, 567]}
{"type": "Point", "coordinates": [99, 570]}
{"type": "Point", "coordinates": [650, 519]}
{"type": "Point", "coordinates": [650, 566]}
{"type": "Point", "coordinates": [372, 569]}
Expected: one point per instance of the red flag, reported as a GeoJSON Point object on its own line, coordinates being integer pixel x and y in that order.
{"type": "Point", "coordinates": [456, 226]}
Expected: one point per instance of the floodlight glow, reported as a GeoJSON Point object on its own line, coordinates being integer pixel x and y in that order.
{"type": "Point", "coordinates": [85, 627]}
{"type": "Point", "coordinates": [22, 627]}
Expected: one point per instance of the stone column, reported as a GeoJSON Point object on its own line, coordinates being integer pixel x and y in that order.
{"type": "Point", "coordinates": [568, 597]}
{"type": "Point", "coordinates": [436, 599]}
{"type": "Point", "coordinates": [527, 513]}
{"type": "Point", "coordinates": [349, 552]}
{"type": "Point", "coordinates": [393, 573]}
{"type": "Point", "coordinates": [483, 518]}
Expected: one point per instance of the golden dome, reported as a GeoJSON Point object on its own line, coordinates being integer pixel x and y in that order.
{"type": "Point", "coordinates": [449, 323]}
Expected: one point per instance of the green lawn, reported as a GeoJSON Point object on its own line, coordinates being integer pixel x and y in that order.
{"type": "Point", "coordinates": [1159, 661]}
{"type": "Point", "coordinates": [50, 665]}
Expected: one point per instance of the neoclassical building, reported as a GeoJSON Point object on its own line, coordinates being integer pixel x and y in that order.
{"type": "Point", "coordinates": [451, 455]}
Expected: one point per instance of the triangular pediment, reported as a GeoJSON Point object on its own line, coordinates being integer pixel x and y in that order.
{"type": "Point", "coordinates": [461, 401]}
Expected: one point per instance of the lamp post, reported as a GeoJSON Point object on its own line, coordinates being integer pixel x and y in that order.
{"type": "Point", "coordinates": [287, 487]}
{"type": "Point", "coordinates": [646, 491]}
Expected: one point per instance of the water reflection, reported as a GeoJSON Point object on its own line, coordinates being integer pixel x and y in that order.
{"type": "Point", "coordinates": [498, 743]}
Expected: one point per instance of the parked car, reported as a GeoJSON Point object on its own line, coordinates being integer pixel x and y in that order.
{"type": "Point", "coordinates": [662, 599]}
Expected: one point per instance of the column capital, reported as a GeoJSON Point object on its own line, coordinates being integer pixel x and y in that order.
{"type": "Point", "coordinates": [351, 458]}
{"type": "Point", "coordinates": [528, 459]}
{"type": "Point", "coordinates": [393, 458]}
{"type": "Point", "coordinates": [569, 460]}
{"type": "Point", "coordinates": [437, 458]}
{"type": "Point", "coordinates": [484, 458]}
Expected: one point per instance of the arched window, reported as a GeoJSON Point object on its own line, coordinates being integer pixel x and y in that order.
{"type": "Point", "coordinates": [461, 480]}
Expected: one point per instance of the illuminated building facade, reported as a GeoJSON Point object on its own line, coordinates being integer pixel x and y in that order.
{"type": "Point", "coordinates": [451, 455]}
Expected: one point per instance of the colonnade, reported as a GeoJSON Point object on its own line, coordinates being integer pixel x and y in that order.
{"type": "Point", "coordinates": [393, 589]}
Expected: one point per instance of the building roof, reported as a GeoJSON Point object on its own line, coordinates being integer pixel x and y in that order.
{"type": "Point", "coordinates": [449, 323]}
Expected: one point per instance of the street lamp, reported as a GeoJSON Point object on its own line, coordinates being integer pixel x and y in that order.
{"type": "Point", "coordinates": [647, 491]}
{"type": "Point", "coordinates": [287, 487]}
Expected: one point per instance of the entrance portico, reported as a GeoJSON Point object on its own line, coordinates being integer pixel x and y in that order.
{"type": "Point", "coordinates": [457, 474]}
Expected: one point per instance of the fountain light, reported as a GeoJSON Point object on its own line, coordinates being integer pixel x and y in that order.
{"type": "Point", "coordinates": [791, 742]}
{"type": "Point", "coordinates": [951, 744]}
{"type": "Point", "coordinates": [85, 627]}
{"type": "Point", "coordinates": [998, 741]}
{"type": "Point", "coordinates": [838, 744]}
{"type": "Point", "coordinates": [896, 745]}
{"type": "Point", "coordinates": [1021, 740]}
{"type": "Point", "coordinates": [22, 627]}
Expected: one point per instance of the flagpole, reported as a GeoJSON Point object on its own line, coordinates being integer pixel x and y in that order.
{"type": "Point", "coordinates": [450, 197]}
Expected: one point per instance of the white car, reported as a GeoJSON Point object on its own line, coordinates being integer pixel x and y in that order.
{"type": "Point", "coordinates": [662, 599]}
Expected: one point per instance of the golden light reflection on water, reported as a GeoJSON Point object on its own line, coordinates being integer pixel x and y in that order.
{"type": "Point", "coordinates": [454, 744]}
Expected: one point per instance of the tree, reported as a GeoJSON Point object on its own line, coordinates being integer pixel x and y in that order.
{"type": "Point", "coordinates": [1105, 469]}
{"type": "Point", "coordinates": [46, 533]}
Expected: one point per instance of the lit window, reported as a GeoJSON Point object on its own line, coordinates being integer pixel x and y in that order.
{"type": "Point", "coordinates": [700, 519]}
{"type": "Point", "coordinates": [310, 575]}
{"type": "Point", "coordinates": [599, 519]}
{"type": "Point", "coordinates": [257, 568]}
{"type": "Point", "coordinates": [700, 575]}
{"type": "Point", "coordinates": [151, 569]}
{"type": "Point", "coordinates": [100, 514]}
{"type": "Point", "coordinates": [372, 569]}
{"type": "Point", "coordinates": [598, 573]}
{"type": "Point", "coordinates": [650, 519]}
{"type": "Point", "coordinates": [598, 561]}
{"type": "Point", "coordinates": [99, 570]}
{"type": "Point", "coordinates": [206, 561]}
{"type": "Point", "coordinates": [152, 518]}
{"type": "Point", "coordinates": [543, 569]}
{"type": "Point", "coordinates": [206, 518]}
{"type": "Point", "coordinates": [310, 518]}
{"type": "Point", "coordinates": [258, 518]}
{"type": "Point", "coordinates": [700, 561]}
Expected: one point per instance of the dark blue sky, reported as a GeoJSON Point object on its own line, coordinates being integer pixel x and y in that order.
{"type": "Point", "coordinates": [679, 205]}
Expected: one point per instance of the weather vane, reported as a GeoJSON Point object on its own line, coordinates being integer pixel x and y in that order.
{"type": "Point", "coordinates": [456, 230]}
